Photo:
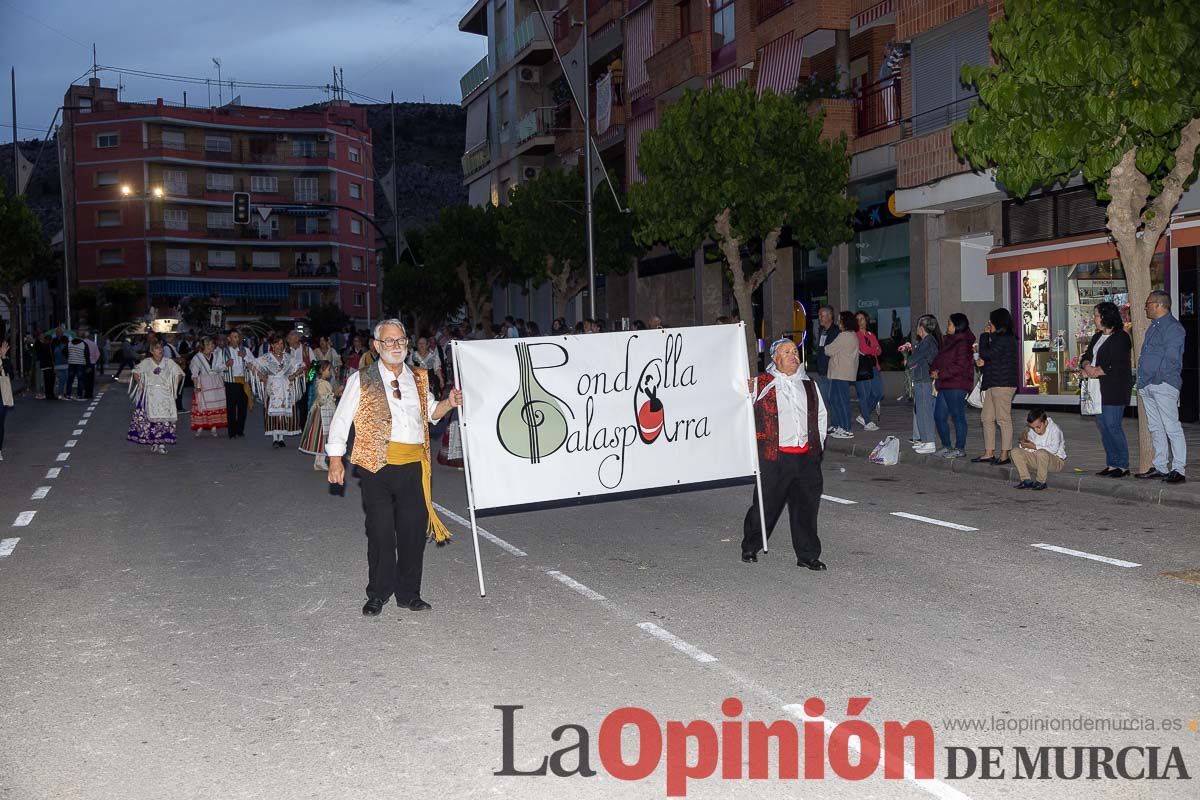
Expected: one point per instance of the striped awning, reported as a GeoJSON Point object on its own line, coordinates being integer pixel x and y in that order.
{"type": "Point", "coordinates": [729, 78]}
{"type": "Point", "coordinates": [634, 131]}
{"type": "Point", "coordinates": [779, 62]}
{"type": "Point", "coordinates": [639, 46]}
{"type": "Point", "coordinates": [248, 290]}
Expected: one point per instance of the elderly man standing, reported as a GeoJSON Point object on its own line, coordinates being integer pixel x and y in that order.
{"type": "Point", "coordinates": [1159, 380]}
{"type": "Point", "coordinates": [790, 422]}
{"type": "Point", "coordinates": [391, 408]}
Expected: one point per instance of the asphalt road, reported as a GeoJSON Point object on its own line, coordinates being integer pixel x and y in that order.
{"type": "Point", "coordinates": [188, 626]}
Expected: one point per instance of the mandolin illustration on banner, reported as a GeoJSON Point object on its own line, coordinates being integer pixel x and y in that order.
{"type": "Point", "coordinates": [532, 425]}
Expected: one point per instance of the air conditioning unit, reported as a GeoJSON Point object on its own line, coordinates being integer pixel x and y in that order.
{"type": "Point", "coordinates": [529, 75]}
{"type": "Point", "coordinates": [281, 137]}
{"type": "Point", "coordinates": [529, 173]}
{"type": "Point", "coordinates": [199, 266]}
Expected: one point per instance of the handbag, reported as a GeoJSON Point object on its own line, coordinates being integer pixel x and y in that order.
{"type": "Point", "coordinates": [866, 368]}
{"type": "Point", "coordinates": [1090, 401]}
{"type": "Point", "coordinates": [6, 395]}
{"type": "Point", "coordinates": [975, 398]}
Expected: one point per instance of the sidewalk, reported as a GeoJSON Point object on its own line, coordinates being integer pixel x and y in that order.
{"type": "Point", "coordinates": [1085, 455]}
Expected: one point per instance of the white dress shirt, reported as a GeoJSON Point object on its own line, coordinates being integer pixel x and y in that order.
{"type": "Point", "coordinates": [405, 411]}
{"type": "Point", "coordinates": [792, 400]}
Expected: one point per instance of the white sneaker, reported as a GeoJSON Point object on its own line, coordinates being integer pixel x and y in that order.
{"type": "Point", "coordinates": [1, 455]}
{"type": "Point", "coordinates": [859, 419]}
{"type": "Point", "coordinates": [871, 426]}
{"type": "Point", "coordinates": [925, 449]}
{"type": "Point", "coordinates": [841, 434]}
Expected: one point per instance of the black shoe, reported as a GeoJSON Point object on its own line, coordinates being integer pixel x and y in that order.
{"type": "Point", "coordinates": [373, 607]}
{"type": "Point", "coordinates": [1150, 474]}
{"type": "Point", "coordinates": [1175, 476]}
{"type": "Point", "coordinates": [1038, 486]}
{"type": "Point", "coordinates": [1118, 473]}
{"type": "Point", "coordinates": [1003, 463]}
{"type": "Point", "coordinates": [748, 557]}
{"type": "Point", "coordinates": [282, 444]}
{"type": "Point", "coordinates": [1026, 484]}
{"type": "Point", "coordinates": [984, 460]}
{"type": "Point", "coordinates": [815, 564]}
{"type": "Point", "coordinates": [1104, 473]}
{"type": "Point", "coordinates": [416, 604]}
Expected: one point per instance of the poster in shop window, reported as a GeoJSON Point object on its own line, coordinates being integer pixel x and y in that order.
{"type": "Point", "coordinates": [1035, 321]}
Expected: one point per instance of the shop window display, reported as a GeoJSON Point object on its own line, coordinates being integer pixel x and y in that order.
{"type": "Point", "coordinates": [1056, 322]}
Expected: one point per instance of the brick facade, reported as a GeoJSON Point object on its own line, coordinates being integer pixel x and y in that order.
{"type": "Point", "coordinates": [914, 17]}
{"type": "Point", "coordinates": [927, 159]}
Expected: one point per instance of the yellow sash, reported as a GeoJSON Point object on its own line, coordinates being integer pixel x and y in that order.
{"type": "Point", "coordinates": [249, 394]}
{"type": "Point", "coordinates": [398, 454]}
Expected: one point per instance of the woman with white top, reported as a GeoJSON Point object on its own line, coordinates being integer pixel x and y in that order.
{"type": "Point", "coordinates": [208, 396]}
{"type": "Point", "coordinates": [427, 357]}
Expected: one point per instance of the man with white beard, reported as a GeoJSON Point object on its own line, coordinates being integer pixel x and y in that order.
{"type": "Point", "coordinates": [391, 408]}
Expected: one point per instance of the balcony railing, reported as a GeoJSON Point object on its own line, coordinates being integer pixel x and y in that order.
{"type": "Point", "coordinates": [477, 158]}
{"type": "Point", "coordinates": [767, 8]}
{"type": "Point", "coordinates": [308, 269]}
{"type": "Point", "coordinates": [531, 31]}
{"type": "Point", "coordinates": [476, 76]}
{"type": "Point", "coordinates": [538, 122]}
{"type": "Point", "coordinates": [877, 106]}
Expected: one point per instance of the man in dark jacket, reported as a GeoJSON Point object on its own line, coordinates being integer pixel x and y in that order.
{"type": "Point", "coordinates": [1159, 380]}
{"type": "Point", "coordinates": [827, 331]}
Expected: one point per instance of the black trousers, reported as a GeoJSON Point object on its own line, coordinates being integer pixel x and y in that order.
{"type": "Point", "coordinates": [235, 408]}
{"type": "Point", "coordinates": [74, 380]}
{"type": "Point", "coordinates": [3, 414]}
{"type": "Point", "coordinates": [89, 381]}
{"type": "Point", "coordinates": [394, 502]}
{"type": "Point", "coordinates": [795, 481]}
{"type": "Point", "coordinates": [49, 383]}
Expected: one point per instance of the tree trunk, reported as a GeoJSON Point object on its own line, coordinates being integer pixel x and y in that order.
{"type": "Point", "coordinates": [744, 285]}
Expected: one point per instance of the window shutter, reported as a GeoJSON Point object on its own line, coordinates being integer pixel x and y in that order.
{"type": "Point", "coordinates": [933, 58]}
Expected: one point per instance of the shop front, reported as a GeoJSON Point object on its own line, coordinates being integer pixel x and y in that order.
{"type": "Point", "coordinates": [878, 268]}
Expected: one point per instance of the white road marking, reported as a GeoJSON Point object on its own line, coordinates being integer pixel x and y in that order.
{"type": "Point", "coordinates": [71, 443]}
{"type": "Point", "coordinates": [491, 537]}
{"type": "Point", "coordinates": [840, 500]}
{"type": "Point", "coordinates": [23, 519]}
{"type": "Point", "coordinates": [930, 785]}
{"type": "Point", "coordinates": [87, 414]}
{"type": "Point", "coordinates": [7, 546]}
{"type": "Point", "coordinates": [932, 521]}
{"type": "Point", "coordinates": [77, 432]}
{"type": "Point", "coordinates": [82, 422]}
{"type": "Point", "coordinates": [567, 580]}
{"type": "Point", "coordinates": [40, 493]}
{"type": "Point", "coordinates": [62, 456]}
{"type": "Point", "coordinates": [679, 644]}
{"type": "Point", "coordinates": [1116, 562]}
{"type": "Point", "coordinates": [53, 473]}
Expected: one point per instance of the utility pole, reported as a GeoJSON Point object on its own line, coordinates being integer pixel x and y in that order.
{"type": "Point", "coordinates": [587, 167]}
{"type": "Point", "coordinates": [395, 199]}
{"type": "Point", "coordinates": [16, 166]}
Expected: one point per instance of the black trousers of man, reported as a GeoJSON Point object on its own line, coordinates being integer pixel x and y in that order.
{"type": "Point", "coordinates": [235, 408]}
{"type": "Point", "coordinates": [394, 502]}
{"type": "Point", "coordinates": [48, 383]}
{"type": "Point", "coordinates": [89, 381]}
{"type": "Point", "coordinates": [795, 480]}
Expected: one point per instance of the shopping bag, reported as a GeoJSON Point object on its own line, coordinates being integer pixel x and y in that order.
{"type": "Point", "coordinates": [1090, 403]}
{"type": "Point", "coordinates": [975, 398]}
{"type": "Point", "coordinates": [886, 453]}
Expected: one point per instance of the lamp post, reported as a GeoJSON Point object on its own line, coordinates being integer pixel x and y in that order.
{"type": "Point", "coordinates": [154, 193]}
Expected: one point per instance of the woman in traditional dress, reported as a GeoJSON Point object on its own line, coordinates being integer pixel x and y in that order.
{"type": "Point", "coordinates": [426, 356]}
{"type": "Point", "coordinates": [274, 376]}
{"type": "Point", "coordinates": [156, 380]}
{"type": "Point", "coordinates": [320, 415]}
{"type": "Point", "coordinates": [208, 396]}
{"type": "Point", "coordinates": [325, 351]}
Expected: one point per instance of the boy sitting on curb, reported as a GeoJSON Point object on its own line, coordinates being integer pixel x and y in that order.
{"type": "Point", "coordinates": [1042, 448]}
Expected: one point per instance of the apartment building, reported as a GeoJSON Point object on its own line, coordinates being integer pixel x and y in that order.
{"type": "Point", "coordinates": [148, 190]}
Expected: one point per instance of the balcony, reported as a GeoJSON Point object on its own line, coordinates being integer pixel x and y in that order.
{"type": "Point", "coordinates": [528, 42]}
{"type": "Point", "coordinates": [839, 117]}
{"type": "Point", "coordinates": [769, 8]}
{"type": "Point", "coordinates": [774, 18]}
{"type": "Point", "coordinates": [477, 158]}
{"type": "Point", "coordinates": [877, 106]}
{"type": "Point", "coordinates": [476, 76]}
{"type": "Point", "coordinates": [680, 61]}
{"type": "Point", "coordinates": [309, 269]}
{"type": "Point", "coordinates": [535, 131]}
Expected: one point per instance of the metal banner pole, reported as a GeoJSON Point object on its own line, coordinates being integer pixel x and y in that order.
{"type": "Point", "coordinates": [762, 515]}
{"type": "Point", "coordinates": [462, 423]}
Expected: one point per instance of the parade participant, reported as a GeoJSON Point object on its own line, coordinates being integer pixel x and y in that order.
{"type": "Point", "coordinates": [302, 359]}
{"type": "Point", "coordinates": [208, 396]}
{"type": "Point", "coordinates": [156, 381]}
{"type": "Point", "coordinates": [427, 358]}
{"type": "Point", "coordinates": [320, 415]}
{"type": "Point", "coordinates": [391, 408]}
{"type": "Point", "coordinates": [236, 365]}
{"type": "Point", "coordinates": [325, 351]}
{"type": "Point", "coordinates": [6, 391]}
{"type": "Point", "coordinates": [353, 358]}
{"type": "Point", "coordinates": [274, 378]}
{"type": "Point", "coordinates": [790, 423]}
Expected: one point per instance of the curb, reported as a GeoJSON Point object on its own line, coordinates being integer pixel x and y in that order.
{"type": "Point", "coordinates": [1123, 489]}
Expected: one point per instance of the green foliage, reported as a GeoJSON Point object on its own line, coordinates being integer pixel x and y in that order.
{"type": "Point", "coordinates": [815, 88]}
{"type": "Point", "coordinates": [463, 247]}
{"type": "Point", "coordinates": [760, 158]}
{"type": "Point", "coordinates": [411, 289]}
{"type": "Point", "coordinates": [119, 302]}
{"type": "Point", "coordinates": [24, 254]}
{"type": "Point", "coordinates": [326, 319]}
{"type": "Point", "coordinates": [1078, 83]}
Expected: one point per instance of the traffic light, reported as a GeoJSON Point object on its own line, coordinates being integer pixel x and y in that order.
{"type": "Point", "coordinates": [241, 208]}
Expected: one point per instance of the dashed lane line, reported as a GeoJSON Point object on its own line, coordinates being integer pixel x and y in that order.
{"type": "Point", "coordinates": [940, 522]}
{"type": "Point", "coordinates": [7, 546]}
{"type": "Point", "coordinates": [665, 635]}
{"type": "Point", "coordinates": [23, 519]}
{"type": "Point", "coordinates": [1116, 562]}
{"type": "Point", "coordinates": [77, 432]}
{"type": "Point", "coordinates": [62, 456]}
{"type": "Point", "coordinates": [40, 493]}
{"type": "Point", "coordinates": [52, 473]}
{"type": "Point", "coordinates": [491, 537]}
{"type": "Point", "coordinates": [567, 580]}
{"type": "Point", "coordinates": [839, 500]}
{"type": "Point", "coordinates": [71, 443]}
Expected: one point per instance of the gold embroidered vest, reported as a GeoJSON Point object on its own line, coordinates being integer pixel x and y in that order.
{"type": "Point", "coordinates": [373, 420]}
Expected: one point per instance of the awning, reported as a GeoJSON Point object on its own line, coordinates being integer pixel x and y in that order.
{"type": "Point", "coordinates": [1186, 233]}
{"type": "Point", "coordinates": [729, 78]}
{"type": "Point", "coordinates": [1060, 253]}
{"type": "Point", "coordinates": [639, 46]}
{"type": "Point", "coordinates": [633, 139]}
{"type": "Point", "coordinates": [247, 290]}
{"type": "Point", "coordinates": [779, 68]}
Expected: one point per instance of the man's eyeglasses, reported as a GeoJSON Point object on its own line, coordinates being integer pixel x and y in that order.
{"type": "Point", "coordinates": [392, 342]}
{"type": "Point", "coordinates": [396, 389]}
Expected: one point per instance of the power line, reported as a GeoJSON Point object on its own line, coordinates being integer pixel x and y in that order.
{"type": "Point", "coordinates": [47, 25]}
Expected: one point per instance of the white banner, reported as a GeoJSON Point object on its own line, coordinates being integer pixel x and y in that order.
{"type": "Point", "coordinates": [563, 417]}
{"type": "Point", "coordinates": [603, 104]}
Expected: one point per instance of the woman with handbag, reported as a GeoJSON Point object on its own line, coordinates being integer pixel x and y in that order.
{"type": "Point", "coordinates": [997, 358]}
{"type": "Point", "coordinates": [1108, 359]}
{"type": "Point", "coordinates": [868, 383]}
{"type": "Point", "coordinates": [843, 368]}
{"type": "Point", "coordinates": [954, 373]}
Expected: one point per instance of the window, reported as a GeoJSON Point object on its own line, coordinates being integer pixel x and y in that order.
{"type": "Point", "coordinates": [175, 219]}
{"type": "Point", "coordinates": [332, 149]}
{"type": "Point", "coordinates": [265, 259]}
{"type": "Point", "coordinates": [356, 191]}
{"type": "Point", "coordinates": [723, 27]}
{"type": "Point", "coordinates": [356, 263]}
{"type": "Point", "coordinates": [306, 190]}
{"type": "Point", "coordinates": [85, 105]}
{"type": "Point", "coordinates": [108, 177]}
{"type": "Point", "coordinates": [356, 226]}
{"type": "Point", "coordinates": [222, 259]}
{"type": "Point", "coordinates": [267, 228]}
{"type": "Point", "coordinates": [308, 298]}
{"type": "Point", "coordinates": [355, 155]}
{"type": "Point", "coordinates": [264, 183]}
{"type": "Point", "coordinates": [221, 220]}
{"type": "Point", "coordinates": [219, 182]}
{"type": "Point", "coordinates": [179, 262]}
{"type": "Point", "coordinates": [218, 144]}
{"type": "Point", "coordinates": [111, 258]}
{"type": "Point", "coordinates": [108, 219]}
{"type": "Point", "coordinates": [175, 181]}
{"type": "Point", "coordinates": [939, 97]}
{"type": "Point", "coordinates": [174, 140]}
{"type": "Point", "coordinates": [307, 225]}
{"type": "Point", "coordinates": [108, 140]}
{"type": "Point", "coordinates": [360, 299]}
{"type": "Point", "coordinates": [304, 148]}
{"type": "Point", "coordinates": [685, 18]}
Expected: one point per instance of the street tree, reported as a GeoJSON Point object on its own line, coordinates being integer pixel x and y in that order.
{"type": "Point", "coordinates": [464, 243]}
{"type": "Point", "coordinates": [121, 296]}
{"type": "Point", "coordinates": [413, 290]}
{"type": "Point", "coordinates": [544, 230]}
{"type": "Point", "coordinates": [24, 256]}
{"type": "Point", "coordinates": [1099, 88]}
{"type": "Point", "coordinates": [729, 167]}
{"type": "Point", "coordinates": [325, 320]}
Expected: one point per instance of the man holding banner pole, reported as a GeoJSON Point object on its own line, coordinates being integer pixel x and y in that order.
{"type": "Point", "coordinates": [391, 408]}
{"type": "Point", "coordinates": [790, 425]}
